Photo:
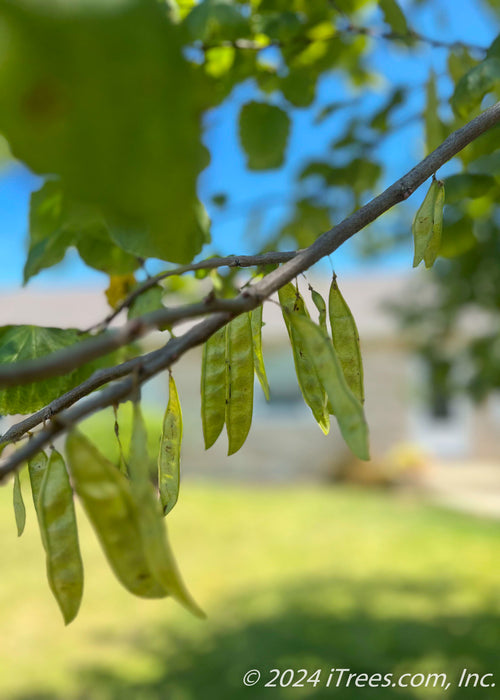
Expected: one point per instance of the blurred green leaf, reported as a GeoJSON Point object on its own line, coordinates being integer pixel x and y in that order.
{"type": "Point", "coordinates": [474, 85]}
{"type": "Point", "coordinates": [434, 130]}
{"type": "Point", "coordinates": [307, 223]}
{"type": "Point", "coordinates": [216, 20]}
{"type": "Point", "coordinates": [148, 301]}
{"type": "Point", "coordinates": [86, 92]}
{"type": "Point", "coordinates": [264, 130]}
{"type": "Point", "coordinates": [58, 222]}
{"type": "Point", "coordinates": [457, 237]}
{"type": "Point", "coordinates": [463, 185]}
{"type": "Point", "coordinates": [299, 87]}
{"type": "Point", "coordinates": [393, 16]}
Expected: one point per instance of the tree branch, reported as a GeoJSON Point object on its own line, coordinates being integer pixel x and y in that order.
{"type": "Point", "coordinates": [349, 29]}
{"type": "Point", "coordinates": [253, 296]}
{"type": "Point", "coordinates": [271, 258]}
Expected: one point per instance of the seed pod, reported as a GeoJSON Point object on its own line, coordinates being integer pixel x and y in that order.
{"type": "Point", "coordinates": [319, 303]}
{"type": "Point", "coordinates": [348, 410]}
{"type": "Point", "coordinates": [239, 381]}
{"type": "Point", "coordinates": [170, 451]}
{"type": "Point", "coordinates": [258, 358]}
{"type": "Point", "coordinates": [151, 524]}
{"type": "Point", "coordinates": [312, 390]}
{"type": "Point", "coordinates": [346, 340]}
{"type": "Point", "coordinates": [37, 467]}
{"type": "Point", "coordinates": [428, 225]}
{"type": "Point", "coordinates": [106, 498]}
{"type": "Point", "coordinates": [213, 386]}
{"type": "Point", "coordinates": [19, 509]}
{"type": "Point", "coordinates": [58, 523]}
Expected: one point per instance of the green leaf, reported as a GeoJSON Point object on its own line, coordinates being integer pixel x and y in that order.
{"type": "Point", "coordinates": [86, 93]}
{"type": "Point", "coordinates": [169, 457]}
{"type": "Point", "coordinates": [23, 343]}
{"type": "Point", "coordinates": [216, 20]}
{"type": "Point", "coordinates": [394, 16]}
{"type": "Point", "coordinates": [458, 237]}
{"type": "Point", "coordinates": [58, 222]}
{"type": "Point", "coordinates": [148, 301]}
{"type": "Point", "coordinates": [19, 509]}
{"type": "Point", "coordinates": [299, 87]}
{"type": "Point", "coordinates": [48, 242]}
{"type": "Point", "coordinates": [494, 49]}
{"type": "Point", "coordinates": [463, 185]}
{"type": "Point", "coordinates": [97, 250]}
{"type": "Point", "coordinates": [264, 133]}
{"type": "Point", "coordinates": [428, 225]}
{"type": "Point", "coordinates": [474, 85]}
{"type": "Point", "coordinates": [258, 358]}
{"type": "Point", "coordinates": [433, 125]}
{"type": "Point", "coordinates": [307, 223]}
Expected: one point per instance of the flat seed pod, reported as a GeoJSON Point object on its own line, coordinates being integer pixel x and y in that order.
{"type": "Point", "coordinates": [346, 340]}
{"type": "Point", "coordinates": [150, 518]}
{"type": "Point", "coordinates": [310, 385]}
{"type": "Point", "coordinates": [170, 450]}
{"type": "Point", "coordinates": [348, 410]}
{"type": "Point", "coordinates": [319, 303]}
{"type": "Point", "coordinates": [37, 466]}
{"type": "Point", "coordinates": [258, 357]}
{"type": "Point", "coordinates": [58, 522]}
{"type": "Point", "coordinates": [239, 381]}
{"type": "Point", "coordinates": [213, 383]}
{"type": "Point", "coordinates": [106, 496]}
{"type": "Point", "coordinates": [19, 509]}
{"type": "Point", "coordinates": [428, 225]}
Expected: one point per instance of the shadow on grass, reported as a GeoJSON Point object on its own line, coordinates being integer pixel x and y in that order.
{"type": "Point", "coordinates": [339, 624]}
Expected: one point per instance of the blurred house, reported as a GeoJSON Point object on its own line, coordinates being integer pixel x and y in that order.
{"type": "Point", "coordinates": [285, 443]}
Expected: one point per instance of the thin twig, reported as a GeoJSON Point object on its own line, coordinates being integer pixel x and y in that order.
{"type": "Point", "coordinates": [349, 29]}
{"type": "Point", "coordinates": [253, 296]}
{"type": "Point", "coordinates": [271, 258]}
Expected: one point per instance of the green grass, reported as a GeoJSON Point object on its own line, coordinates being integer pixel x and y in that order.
{"type": "Point", "coordinates": [300, 577]}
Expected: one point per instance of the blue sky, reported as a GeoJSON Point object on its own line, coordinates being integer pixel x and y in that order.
{"type": "Point", "coordinates": [451, 19]}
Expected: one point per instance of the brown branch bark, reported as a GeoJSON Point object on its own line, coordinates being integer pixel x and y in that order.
{"type": "Point", "coordinates": [253, 296]}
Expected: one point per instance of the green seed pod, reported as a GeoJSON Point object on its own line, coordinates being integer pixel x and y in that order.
{"type": "Point", "coordinates": [312, 390]}
{"type": "Point", "coordinates": [151, 524]}
{"type": "Point", "coordinates": [258, 358]}
{"type": "Point", "coordinates": [213, 386]}
{"type": "Point", "coordinates": [319, 303]}
{"type": "Point", "coordinates": [170, 451]}
{"type": "Point", "coordinates": [346, 340]}
{"type": "Point", "coordinates": [60, 535]}
{"type": "Point", "coordinates": [106, 496]}
{"type": "Point", "coordinates": [239, 381]}
{"type": "Point", "coordinates": [19, 509]}
{"type": "Point", "coordinates": [348, 410]}
{"type": "Point", "coordinates": [428, 225]}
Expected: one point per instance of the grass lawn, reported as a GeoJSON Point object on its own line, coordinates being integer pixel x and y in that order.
{"type": "Point", "coordinates": [302, 577]}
